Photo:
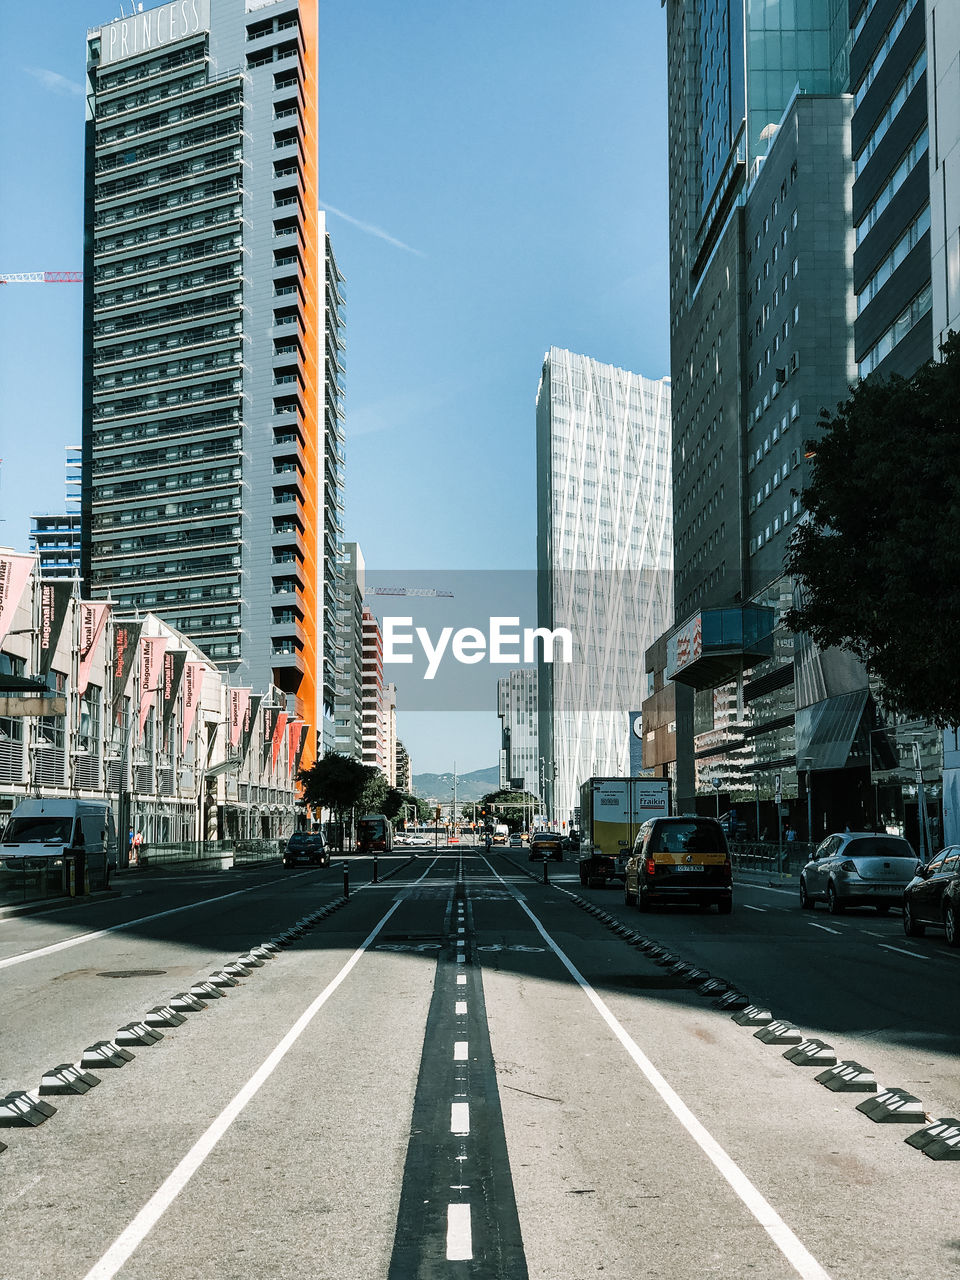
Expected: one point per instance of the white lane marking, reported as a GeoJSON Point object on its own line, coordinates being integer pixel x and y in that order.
{"type": "Point", "coordinates": [460, 1050]}
{"type": "Point", "coordinates": [77, 939]}
{"type": "Point", "coordinates": [460, 1118]}
{"type": "Point", "coordinates": [461, 1008]}
{"type": "Point", "coordinates": [825, 927]}
{"type": "Point", "coordinates": [916, 954]}
{"type": "Point", "coordinates": [459, 1235]}
{"type": "Point", "coordinates": [134, 1234]}
{"type": "Point", "coordinates": [790, 1245]}
{"type": "Point", "coordinates": [461, 979]}
{"type": "Point", "coordinates": [460, 930]}
{"type": "Point", "coordinates": [747, 907]}
{"type": "Point", "coordinates": [460, 957]}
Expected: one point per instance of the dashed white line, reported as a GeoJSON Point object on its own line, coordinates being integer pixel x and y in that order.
{"type": "Point", "coordinates": [460, 1118]}
{"type": "Point", "coordinates": [460, 930]}
{"type": "Point", "coordinates": [461, 1008]}
{"type": "Point", "coordinates": [461, 979]}
{"type": "Point", "coordinates": [133, 1235]}
{"type": "Point", "coordinates": [460, 1050]}
{"type": "Point", "coordinates": [747, 907]}
{"type": "Point", "coordinates": [900, 951]}
{"type": "Point", "coordinates": [825, 927]}
{"type": "Point", "coordinates": [459, 1234]}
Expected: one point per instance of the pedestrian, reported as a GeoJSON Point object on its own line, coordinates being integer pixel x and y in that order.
{"type": "Point", "coordinates": [791, 833]}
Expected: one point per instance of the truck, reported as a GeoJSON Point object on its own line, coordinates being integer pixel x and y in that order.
{"type": "Point", "coordinates": [612, 811]}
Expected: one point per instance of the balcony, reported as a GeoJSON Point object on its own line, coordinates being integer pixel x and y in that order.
{"type": "Point", "coordinates": [715, 645]}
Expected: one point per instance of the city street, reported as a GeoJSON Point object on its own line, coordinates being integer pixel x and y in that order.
{"type": "Point", "coordinates": [461, 1071]}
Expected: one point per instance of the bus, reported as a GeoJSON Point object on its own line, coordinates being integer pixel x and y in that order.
{"type": "Point", "coordinates": [374, 834]}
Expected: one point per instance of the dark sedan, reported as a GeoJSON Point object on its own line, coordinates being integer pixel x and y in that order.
{"type": "Point", "coordinates": [305, 849]}
{"type": "Point", "coordinates": [932, 898]}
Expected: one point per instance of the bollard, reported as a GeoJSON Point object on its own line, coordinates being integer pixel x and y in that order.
{"type": "Point", "coordinates": [546, 876]}
{"type": "Point", "coordinates": [374, 868]}
{"type": "Point", "coordinates": [346, 881]}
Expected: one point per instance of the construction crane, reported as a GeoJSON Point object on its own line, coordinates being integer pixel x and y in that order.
{"type": "Point", "coordinates": [41, 277]}
{"type": "Point", "coordinates": [412, 591]}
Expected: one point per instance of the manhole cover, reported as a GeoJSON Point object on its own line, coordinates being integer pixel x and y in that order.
{"type": "Point", "coordinates": [133, 973]}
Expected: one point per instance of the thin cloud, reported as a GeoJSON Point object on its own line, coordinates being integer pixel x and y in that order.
{"type": "Point", "coordinates": [372, 230]}
{"type": "Point", "coordinates": [55, 82]}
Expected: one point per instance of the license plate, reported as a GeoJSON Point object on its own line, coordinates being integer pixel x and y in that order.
{"type": "Point", "coordinates": [688, 869]}
{"type": "Point", "coordinates": [888, 888]}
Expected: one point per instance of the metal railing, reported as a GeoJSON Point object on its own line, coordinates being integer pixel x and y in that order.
{"type": "Point", "coordinates": [769, 858]}
{"type": "Point", "coordinates": [206, 855]}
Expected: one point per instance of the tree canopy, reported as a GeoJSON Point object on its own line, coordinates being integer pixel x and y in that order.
{"type": "Point", "coordinates": [877, 561]}
{"type": "Point", "coordinates": [511, 807]}
{"type": "Point", "coordinates": [335, 782]}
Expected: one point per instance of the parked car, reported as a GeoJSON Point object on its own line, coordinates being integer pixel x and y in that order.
{"type": "Point", "coordinates": [544, 846]}
{"type": "Point", "coordinates": [858, 868]}
{"type": "Point", "coordinates": [679, 860]}
{"type": "Point", "coordinates": [932, 898]}
{"type": "Point", "coordinates": [306, 849]}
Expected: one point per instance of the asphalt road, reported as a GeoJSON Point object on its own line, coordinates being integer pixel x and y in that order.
{"type": "Point", "coordinates": [460, 1071]}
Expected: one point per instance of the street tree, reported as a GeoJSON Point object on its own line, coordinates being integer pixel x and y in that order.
{"type": "Point", "coordinates": [512, 807]}
{"type": "Point", "coordinates": [334, 782]}
{"type": "Point", "coordinates": [877, 559]}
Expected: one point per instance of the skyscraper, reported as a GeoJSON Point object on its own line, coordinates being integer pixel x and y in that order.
{"type": "Point", "coordinates": [518, 709]}
{"type": "Point", "coordinates": [604, 559]}
{"type": "Point", "coordinates": [212, 443]}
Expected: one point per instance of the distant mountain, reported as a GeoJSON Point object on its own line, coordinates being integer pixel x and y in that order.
{"type": "Point", "coordinates": [470, 786]}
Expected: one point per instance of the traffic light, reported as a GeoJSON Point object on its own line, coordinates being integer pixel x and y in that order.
{"type": "Point", "coordinates": [437, 813]}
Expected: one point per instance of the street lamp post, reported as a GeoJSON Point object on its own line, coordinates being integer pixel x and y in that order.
{"type": "Point", "coordinates": [808, 761]}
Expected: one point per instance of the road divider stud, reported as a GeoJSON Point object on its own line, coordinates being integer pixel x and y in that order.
{"type": "Point", "coordinates": [250, 961]}
{"type": "Point", "coordinates": [164, 1016]}
{"type": "Point", "coordinates": [186, 1002]}
{"type": "Point", "coordinates": [206, 991]}
{"type": "Point", "coordinates": [848, 1077]}
{"type": "Point", "coordinates": [939, 1140]}
{"type": "Point", "coordinates": [812, 1053]}
{"type": "Point", "coordinates": [137, 1033]}
{"type": "Point", "coordinates": [24, 1110]}
{"type": "Point", "coordinates": [713, 987]}
{"type": "Point", "coordinates": [103, 1054]}
{"type": "Point", "coordinates": [753, 1016]}
{"type": "Point", "coordinates": [223, 979]}
{"type": "Point", "coordinates": [779, 1033]}
{"type": "Point", "coordinates": [735, 1000]}
{"type": "Point", "coordinates": [69, 1077]}
{"type": "Point", "coordinates": [238, 970]}
{"type": "Point", "coordinates": [893, 1106]}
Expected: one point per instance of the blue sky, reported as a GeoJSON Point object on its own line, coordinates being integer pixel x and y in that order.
{"type": "Point", "coordinates": [499, 176]}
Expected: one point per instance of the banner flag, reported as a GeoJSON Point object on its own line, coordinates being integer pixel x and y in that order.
{"type": "Point", "coordinates": [54, 599]}
{"type": "Point", "coordinates": [192, 688]}
{"type": "Point", "coordinates": [173, 665]}
{"type": "Point", "coordinates": [249, 721]}
{"type": "Point", "coordinates": [277, 739]}
{"type": "Point", "coordinates": [239, 700]}
{"type": "Point", "coordinates": [14, 575]}
{"type": "Point", "coordinates": [93, 619]}
{"type": "Point", "coordinates": [126, 636]}
{"type": "Point", "coordinates": [152, 649]}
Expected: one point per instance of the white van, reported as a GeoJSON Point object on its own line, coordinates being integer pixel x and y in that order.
{"type": "Point", "coordinates": [41, 833]}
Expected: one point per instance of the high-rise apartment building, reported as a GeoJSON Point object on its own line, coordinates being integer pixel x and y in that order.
{"type": "Point", "coordinates": [348, 720]}
{"type": "Point", "coordinates": [55, 537]}
{"type": "Point", "coordinates": [404, 769]}
{"type": "Point", "coordinates": [389, 765]}
{"type": "Point", "coordinates": [604, 559]}
{"type": "Point", "coordinates": [374, 729]}
{"type": "Point", "coordinates": [212, 440]}
{"type": "Point", "coordinates": [518, 709]}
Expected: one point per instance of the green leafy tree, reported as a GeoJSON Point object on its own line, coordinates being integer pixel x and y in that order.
{"type": "Point", "coordinates": [374, 795]}
{"type": "Point", "coordinates": [512, 807]}
{"type": "Point", "coordinates": [392, 803]}
{"type": "Point", "coordinates": [334, 782]}
{"type": "Point", "coordinates": [877, 562]}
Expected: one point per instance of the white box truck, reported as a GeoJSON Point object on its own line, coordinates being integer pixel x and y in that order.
{"type": "Point", "coordinates": [611, 813]}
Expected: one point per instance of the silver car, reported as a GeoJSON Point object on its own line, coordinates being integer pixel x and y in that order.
{"type": "Point", "coordinates": [858, 868]}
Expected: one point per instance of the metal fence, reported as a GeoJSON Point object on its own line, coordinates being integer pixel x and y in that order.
{"type": "Point", "coordinates": [205, 855]}
{"type": "Point", "coordinates": [766, 858]}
